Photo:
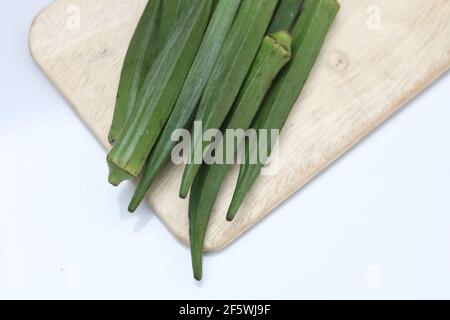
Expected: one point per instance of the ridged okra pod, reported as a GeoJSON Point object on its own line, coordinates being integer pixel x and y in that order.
{"type": "Point", "coordinates": [190, 95]}
{"type": "Point", "coordinates": [228, 75]}
{"type": "Point", "coordinates": [286, 15]}
{"type": "Point", "coordinates": [308, 37]}
{"type": "Point", "coordinates": [158, 94]}
{"type": "Point", "coordinates": [272, 56]}
{"type": "Point", "coordinates": [154, 28]}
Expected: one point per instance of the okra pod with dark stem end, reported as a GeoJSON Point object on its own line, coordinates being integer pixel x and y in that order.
{"type": "Point", "coordinates": [308, 37]}
{"type": "Point", "coordinates": [158, 94]}
{"type": "Point", "coordinates": [273, 54]}
{"type": "Point", "coordinates": [154, 27]}
{"type": "Point", "coordinates": [286, 15]}
{"type": "Point", "coordinates": [229, 73]}
{"type": "Point", "coordinates": [190, 95]}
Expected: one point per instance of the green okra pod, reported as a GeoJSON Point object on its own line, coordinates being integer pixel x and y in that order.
{"type": "Point", "coordinates": [286, 15]}
{"type": "Point", "coordinates": [158, 94]}
{"type": "Point", "coordinates": [272, 56]}
{"type": "Point", "coordinates": [154, 27]}
{"type": "Point", "coordinates": [229, 73]}
{"type": "Point", "coordinates": [190, 95]}
{"type": "Point", "coordinates": [308, 37]}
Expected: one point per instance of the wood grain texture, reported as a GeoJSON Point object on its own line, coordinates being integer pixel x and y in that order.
{"type": "Point", "coordinates": [379, 55]}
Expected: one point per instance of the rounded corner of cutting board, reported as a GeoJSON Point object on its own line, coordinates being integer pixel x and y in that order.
{"type": "Point", "coordinates": [34, 35]}
{"type": "Point", "coordinates": [32, 41]}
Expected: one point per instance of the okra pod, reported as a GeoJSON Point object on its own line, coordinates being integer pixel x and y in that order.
{"type": "Point", "coordinates": [158, 94]}
{"type": "Point", "coordinates": [190, 95]}
{"type": "Point", "coordinates": [286, 15]}
{"type": "Point", "coordinates": [229, 73]}
{"type": "Point", "coordinates": [149, 38]}
{"type": "Point", "coordinates": [308, 37]}
{"type": "Point", "coordinates": [272, 56]}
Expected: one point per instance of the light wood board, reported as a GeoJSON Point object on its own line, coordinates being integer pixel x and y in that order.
{"type": "Point", "coordinates": [378, 56]}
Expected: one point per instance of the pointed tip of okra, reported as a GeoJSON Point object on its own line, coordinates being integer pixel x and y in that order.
{"type": "Point", "coordinates": [232, 211]}
{"type": "Point", "coordinates": [136, 200]}
{"type": "Point", "coordinates": [283, 39]}
{"type": "Point", "coordinates": [235, 205]}
{"type": "Point", "coordinates": [132, 207]}
{"type": "Point", "coordinates": [117, 175]}
{"type": "Point", "coordinates": [197, 267]}
{"type": "Point", "coordinates": [184, 191]}
{"type": "Point", "coordinates": [198, 275]}
{"type": "Point", "coordinates": [230, 217]}
{"type": "Point", "coordinates": [186, 182]}
{"type": "Point", "coordinates": [196, 247]}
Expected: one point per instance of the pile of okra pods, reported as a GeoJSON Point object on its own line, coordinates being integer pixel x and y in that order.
{"type": "Point", "coordinates": [226, 64]}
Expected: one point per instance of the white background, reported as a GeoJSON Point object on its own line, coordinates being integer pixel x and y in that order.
{"type": "Point", "coordinates": [374, 225]}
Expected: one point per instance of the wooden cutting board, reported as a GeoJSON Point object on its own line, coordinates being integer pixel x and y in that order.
{"type": "Point", "coordinates": [378, 56]}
